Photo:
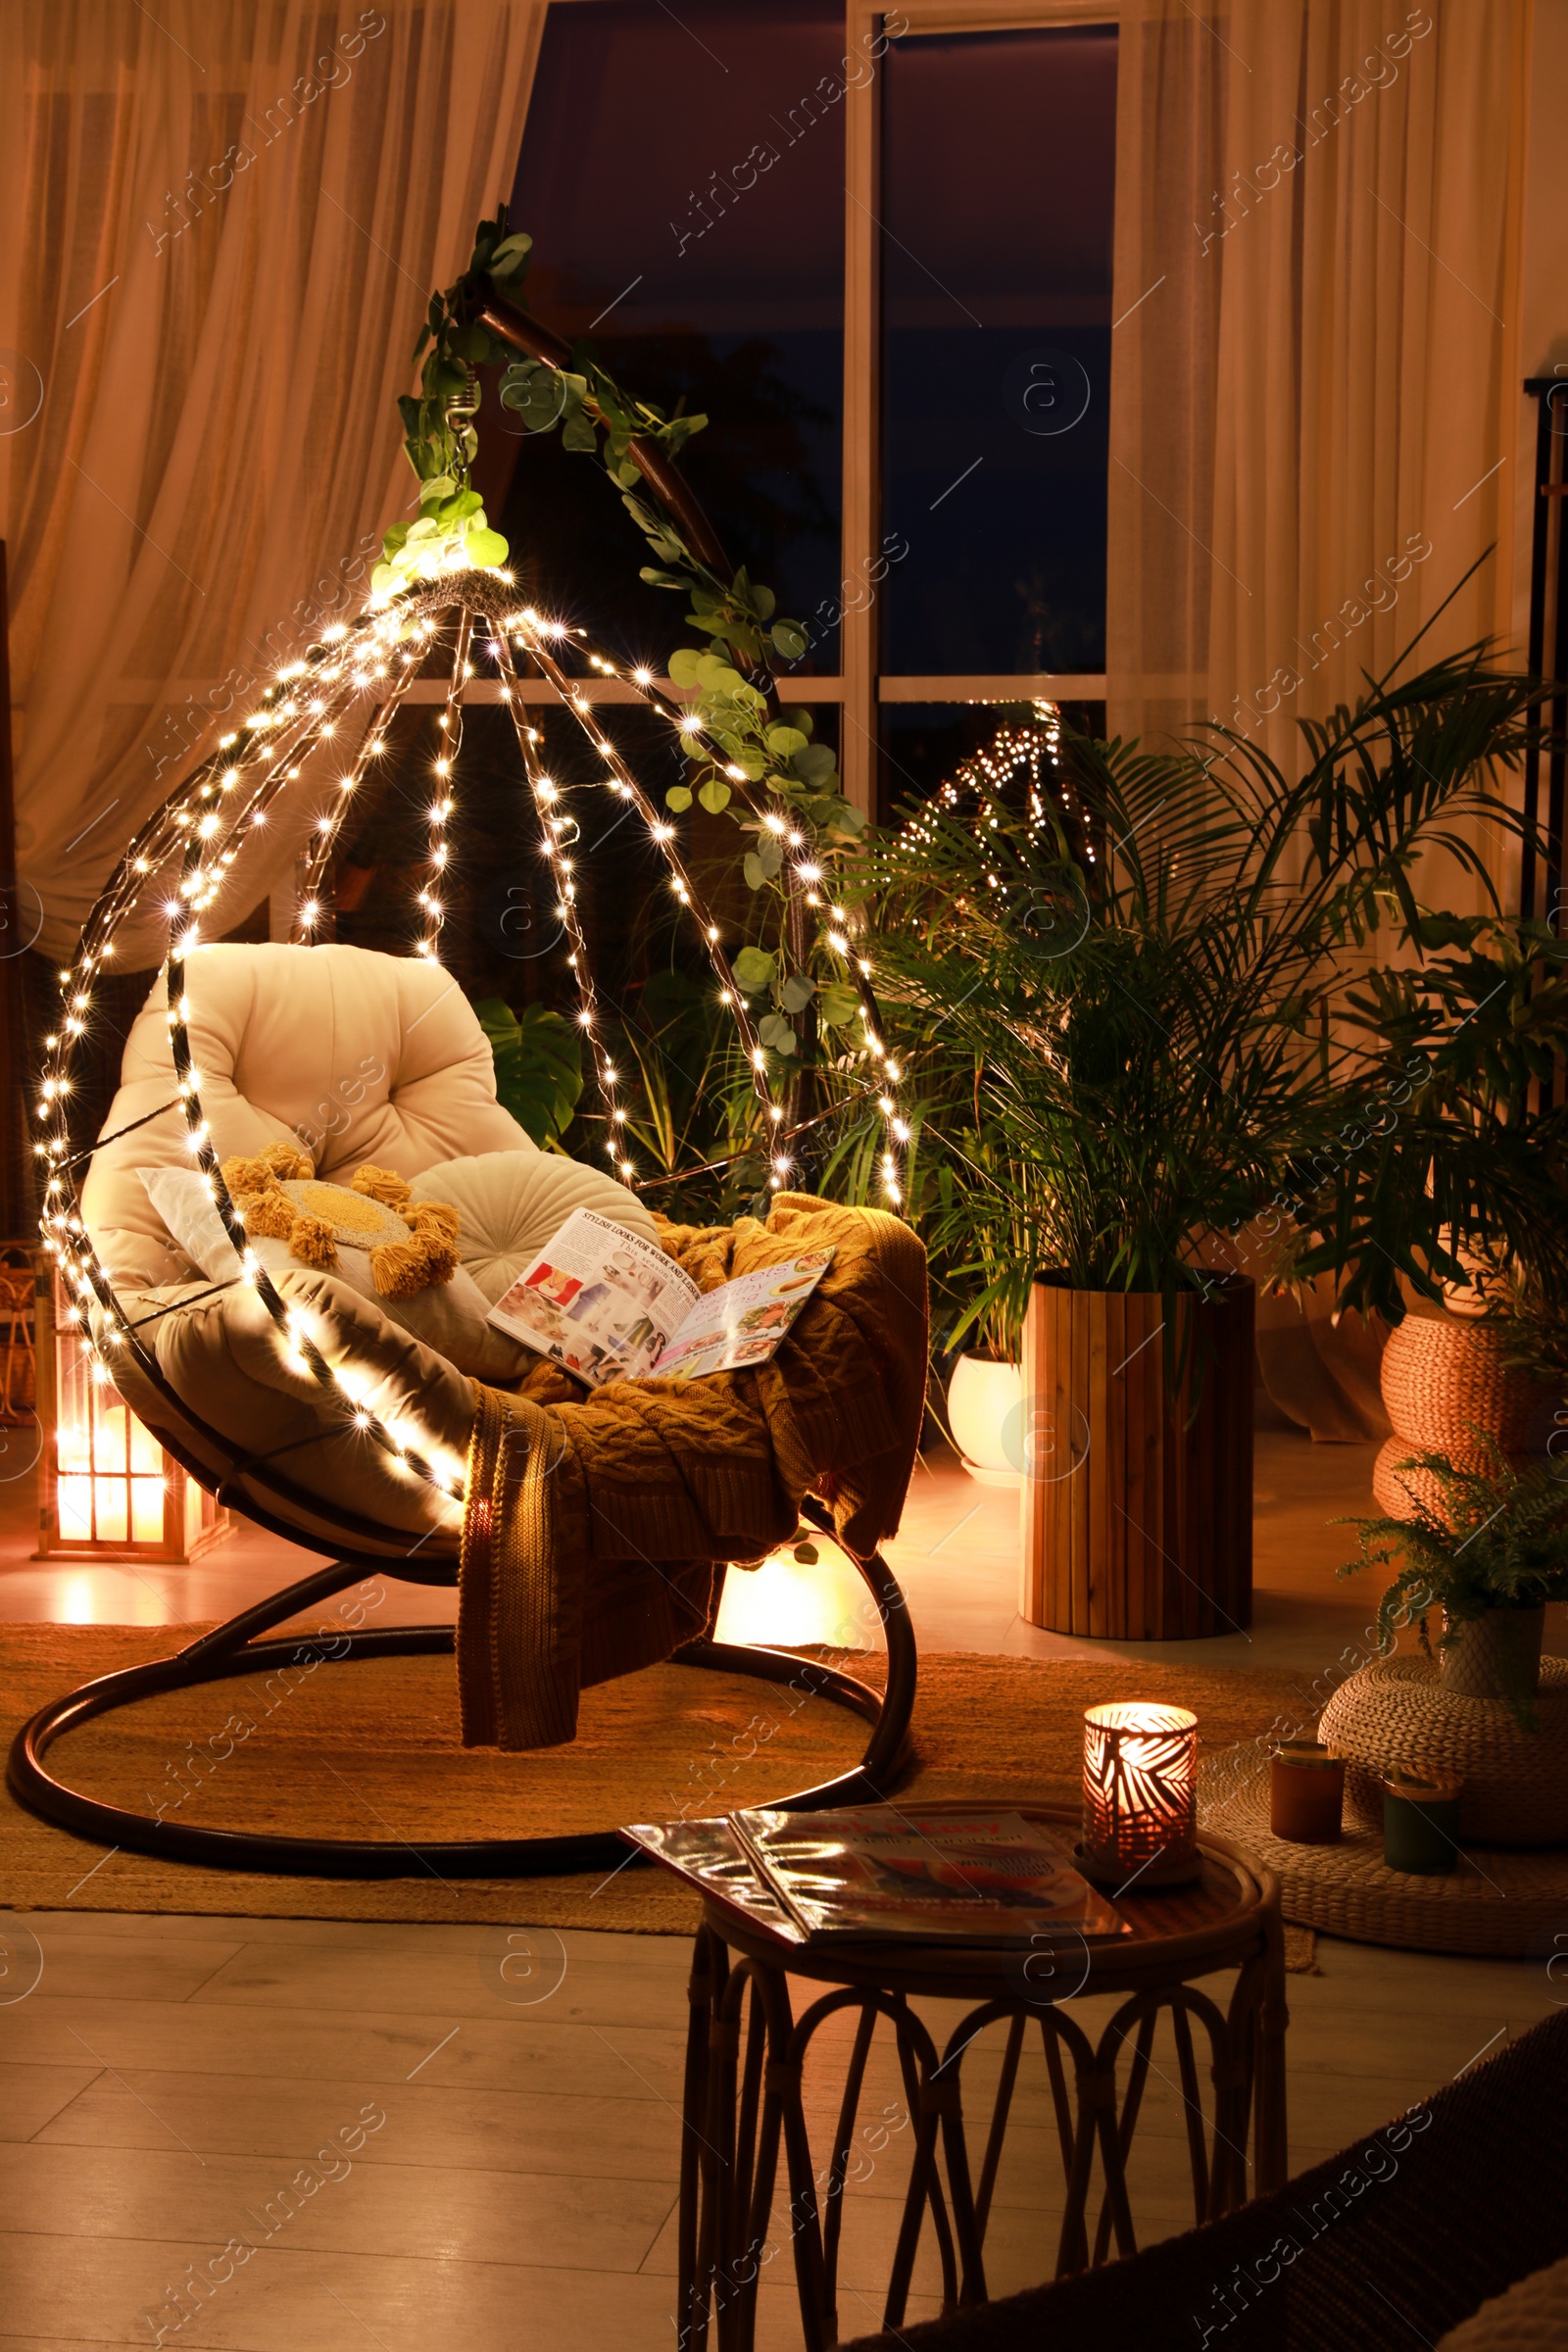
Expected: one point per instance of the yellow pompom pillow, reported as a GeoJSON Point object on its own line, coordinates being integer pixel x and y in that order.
{"type": "Point", "coordinates": [410, 1244]}
{"type": "Point", "coordinates": [370, 1234]}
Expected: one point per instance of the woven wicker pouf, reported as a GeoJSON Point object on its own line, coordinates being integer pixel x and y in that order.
{"type": "Point", "coordinates": [1498, 1901]}
{"type": "Point", "coordinates": [1397, 1712]}
{"type": "Point", "coordinates": [1442, 1378]}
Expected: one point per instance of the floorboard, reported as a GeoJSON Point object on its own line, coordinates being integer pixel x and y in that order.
{"type": "Point", "coordinates": [164, 2085]}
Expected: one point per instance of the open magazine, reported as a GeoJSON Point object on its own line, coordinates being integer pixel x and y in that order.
{"type": "Point", "coordinates": [606, 1304]}
{"type": "Point", "coordinates": [973, 1877]}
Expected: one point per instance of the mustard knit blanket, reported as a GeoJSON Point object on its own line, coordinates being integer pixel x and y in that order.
{"type": "Point", "coordinates": [593, 1526]}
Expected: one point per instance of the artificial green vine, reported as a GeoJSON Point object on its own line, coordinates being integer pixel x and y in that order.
{"type": "Point", "coordinates": [451, 532]}
{"type": "Point", "coordinates": [745, 739]}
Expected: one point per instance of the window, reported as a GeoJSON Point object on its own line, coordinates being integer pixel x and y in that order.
{"type": "Point", "coordinates": [994, 256]}
{"type": "Point", "coordinates": [877, 249]}
{"type": "Point", "coordinates": [683, 183]}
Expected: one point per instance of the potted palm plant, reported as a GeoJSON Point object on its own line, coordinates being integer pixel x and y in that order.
{"type": "Point", "coordinates": [1121, 998]}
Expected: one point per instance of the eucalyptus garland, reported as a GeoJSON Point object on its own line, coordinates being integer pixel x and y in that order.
{"type": "Point", "coordinates": [785, 778]}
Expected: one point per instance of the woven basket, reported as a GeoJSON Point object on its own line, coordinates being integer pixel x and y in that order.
{"type": "Point", "coordinates": [1396, 1492]}
{"type": "Point", "coordinates": [1396, 1711]}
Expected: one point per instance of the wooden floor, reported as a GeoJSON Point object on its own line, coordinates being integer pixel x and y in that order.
{"type": "Point", "coordinates": [516, 2181]}
{"type": "Point", "coordinates": [165, 2080]}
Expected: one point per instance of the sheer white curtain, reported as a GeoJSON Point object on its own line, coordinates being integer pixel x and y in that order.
{"type": "Point", "coordinates": [1313, 381]}
{"type": "Point", "coordinates": [1314, 386]}
{"type": "Point", "coordinates": [223, 218]}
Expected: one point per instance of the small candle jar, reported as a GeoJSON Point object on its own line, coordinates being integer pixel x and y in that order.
{"type": "Point", "coordinates": [1420, 1822]}
{"type": "Point", "coordinates": [1305, 1792]}
{"type": "Point", "coordinates": [1140, 1797]}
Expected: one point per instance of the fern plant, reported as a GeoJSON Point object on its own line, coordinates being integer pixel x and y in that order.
{"type": "Point", "coordinates": [1496, 1539]}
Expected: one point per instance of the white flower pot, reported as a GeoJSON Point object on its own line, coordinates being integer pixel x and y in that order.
{"type": "Point", "coordinates": [985, 1410]}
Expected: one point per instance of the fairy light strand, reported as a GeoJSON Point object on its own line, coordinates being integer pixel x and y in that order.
{"type": "Point", "coordinates": [204, 825]}
{"type": "Point", "coordinates": [663, 836]}
{"type": "Point", "coordinates": [433, 898]}
{"type": "Point", "coordinates": [538, 636]}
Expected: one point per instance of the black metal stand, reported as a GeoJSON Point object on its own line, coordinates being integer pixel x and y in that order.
{"type": "Point", "coordinates": [230, 1650]}
{"type": "Point", "coordinates": [1548, 621]}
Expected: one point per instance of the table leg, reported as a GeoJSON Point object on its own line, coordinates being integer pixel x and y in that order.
{"type": "Point", "coordinates": [1072, 2247]}
{"type": "Point", "coordinates": [818, 2322]}
{"type": "Point", "coordinates": [1017, 2027]}
{"type": "Point", "coordinates": [947, 2102]}
{"type": "Point", "coordinates": [919, 2069]}
{"type": "Point", "coordinates": [698, 2186]}
{"type": "Point", "coordinates": [747, 2144]}
{"type": "Point", "coordinates": [1272, 2150]}
{"type": "Point", "coordinates": [923, 2179]}
{"type": "Point", "coordinates": [843, 2141]}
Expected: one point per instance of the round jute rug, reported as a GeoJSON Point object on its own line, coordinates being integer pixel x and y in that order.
{"type": "Point", "coordinates": [370, 1750]}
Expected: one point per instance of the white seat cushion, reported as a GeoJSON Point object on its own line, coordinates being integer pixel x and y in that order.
{"type": "Point", "coordinates": [247, 1391]}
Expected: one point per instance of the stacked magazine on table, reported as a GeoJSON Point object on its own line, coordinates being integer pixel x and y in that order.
{"type": "Point", "coordinates": [886, 1872]}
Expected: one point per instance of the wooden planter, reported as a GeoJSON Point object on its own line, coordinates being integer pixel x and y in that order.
{"type": "Point", "coordinates": [1137, 1522]}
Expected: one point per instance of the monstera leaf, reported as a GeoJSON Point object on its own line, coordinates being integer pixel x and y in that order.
{"type": "Point", "coordinates": [538, 1062]}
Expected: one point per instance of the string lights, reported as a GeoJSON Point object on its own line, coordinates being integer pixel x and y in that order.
{"type": "Point", "coordinates": [540, 638]}
{"type": "Point", "coordinates": [432, 902]}
{"type": "Point", "coordinates": [203, 825]}
{"type": "Point", "coordinates": [362, 671]}
{"type": "Point", "coordinates": [991, 774]}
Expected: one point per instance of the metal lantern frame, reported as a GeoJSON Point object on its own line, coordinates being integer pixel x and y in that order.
{"type": "Point", "coordinates": [198, 832]}
{"type": "Point", "coordinates": [1140, 1794]}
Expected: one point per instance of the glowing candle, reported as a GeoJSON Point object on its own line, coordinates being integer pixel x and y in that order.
{"type": "Point", "coordinates": [1140, 1794]}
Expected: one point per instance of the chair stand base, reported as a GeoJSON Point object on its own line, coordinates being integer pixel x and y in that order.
{"type": "Point", "coordinates": [229, 1650]}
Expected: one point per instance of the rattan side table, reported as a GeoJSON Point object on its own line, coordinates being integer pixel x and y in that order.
{"type": "Point", "coordinates": [746, 2056]}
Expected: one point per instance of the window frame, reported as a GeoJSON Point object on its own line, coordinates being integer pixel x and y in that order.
{"type": "Point", "coordinates": [861, 688]}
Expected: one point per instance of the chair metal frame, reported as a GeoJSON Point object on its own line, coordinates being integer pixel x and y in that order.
{"type": "Point", "coordinates": [232, 1649]}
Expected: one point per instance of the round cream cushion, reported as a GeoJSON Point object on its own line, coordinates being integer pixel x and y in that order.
{"type": "Point", "coordinates": [510, 1202]}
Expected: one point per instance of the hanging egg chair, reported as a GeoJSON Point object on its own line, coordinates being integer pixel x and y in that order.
{"type": "Point", "coordinates": [343, 1431]}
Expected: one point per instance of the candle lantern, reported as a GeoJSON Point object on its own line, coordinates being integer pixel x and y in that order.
{"type": "Point", "coordinates": [108, 1488]}
{"type": "Point", "coordinates": [1140, 1794]}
